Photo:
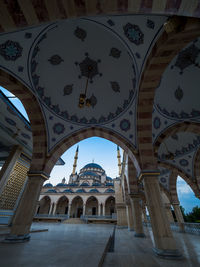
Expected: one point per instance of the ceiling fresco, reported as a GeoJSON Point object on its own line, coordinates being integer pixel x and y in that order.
{"type": "Point", "coordinates": [184, 146]}
{"type": "Point", "coordinates": [57, 61]}
{"type": "Point", "coordinates": [177, 100]}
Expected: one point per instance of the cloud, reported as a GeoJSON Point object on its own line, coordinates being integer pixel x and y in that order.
{"type": "Point", "coordinates": [183, 187]}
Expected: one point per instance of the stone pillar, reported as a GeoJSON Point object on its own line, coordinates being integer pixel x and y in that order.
{"type": "Point", "coordinates": [99, 210]}
{"type": "Point", "coordinates": [137, 215]}
{"type": "Point", "coordinates": [169, 212]}
{"type": "Point", "coordinates": [23, 217]}
{"type": "Point", "coordinates": [69, 210]}
{"type": "Point", "coordinates": [179, 216]}
{"type": "Point", "coordinates": [51, 207]}
{"type": "Point", "coordinates": [129, 214]}
{"type": "Point", "coordinates": [84, 208]}
{"type": "Point", "coordinates": [104, 209]}
{"type": "Point", "coordinates": [164, 243]}
{"type": "Point", "coordinates": [121, 215]}
{"type": "Point", "coordinates": [54, 209]}
{"type": "Point", "coordinates": [144, 214]}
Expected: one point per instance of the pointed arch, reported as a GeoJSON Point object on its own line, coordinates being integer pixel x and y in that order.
{"type": "Point", "coordinates": [84, 134]}
{"type": "Point", "coordinates": [35, 115]}
{"type": "Point", "coordinates": [161, 55]}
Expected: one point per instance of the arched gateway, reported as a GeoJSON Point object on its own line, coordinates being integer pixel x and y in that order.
{"type": "Point", "coordinates": [129, 65]}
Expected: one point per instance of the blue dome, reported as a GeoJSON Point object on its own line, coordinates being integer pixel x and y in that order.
{"type": "Point", "coordinates": [92, 165]}
{"type": "Point", "coordinates": [68, 191]}
{"type": "Point", "coordinates": [94, 190]}
{"type": "Point", "coordinates": [89, 174]}
{"type": "Point", "coordinates": [108, 178]}
{"type": "Point", "coordinates": [72, 184]}
{"type": "Point", "coordinates": [80, 191]}
{"type": "Point", "coordinates": [51, 191]}
{"type": "Point", "coordinates": [110, 190]}
{"type": "Point", "coordinates": [109, 184]}
{"type": "Point", "coordinates": [84, 184]}
{"type": "Point", "coordinates": [48, 185]}
{"type": "Point", "coordinates": [61, 184]}
{"type": "Point", "coordinates": [96, 184]}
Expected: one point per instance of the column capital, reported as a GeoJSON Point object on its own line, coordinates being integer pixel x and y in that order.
{"type": "Point", "coordinates": [38, 174]}
{"type": "Point", "coordinates": [177, 203]}
{"type": "Point", "coordinates": [145, 173]}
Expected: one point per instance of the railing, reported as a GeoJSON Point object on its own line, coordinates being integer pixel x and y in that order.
{"type": "Point", "coordinates": [190, 228]}
{"type": "Point", "coordinates": [64, 216]}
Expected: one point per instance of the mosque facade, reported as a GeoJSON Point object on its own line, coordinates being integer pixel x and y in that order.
{"type": "Point", "coordinates": [87, 193]}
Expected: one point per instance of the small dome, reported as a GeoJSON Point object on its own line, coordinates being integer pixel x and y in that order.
{"type": "Point", "coordinates": [72, 184]}
{"type": "Point", "coordinates": [108, 178]}
{"type": "Point", "coordinates": [89, 174]}
{"type": "Point", "coordinates": [51, 191]}
{"type": "Point", "coordinates": [93, 165]}
{"type": "Point", "coordinates": [94, 190]}
{"type": "Point", "coordinates": [61, 184]}
{"type": "Point", "coordinates": [84, 184]}
{"type": "Point", "coordinates": [96, 184]}
{"type": "Point", "coordinates": [48, 185]}
{"type": "Point", "coordinates": [80, 191]}
{"type": "Point", "coordinates": [109, 184]}
{"type": "Point", "coordinates": [110, 190]}
{"type": "Point", "coordinates": [68, 191]}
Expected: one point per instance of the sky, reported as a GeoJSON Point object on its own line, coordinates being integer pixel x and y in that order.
{"type": "Point", "coordinates": [104, 153]}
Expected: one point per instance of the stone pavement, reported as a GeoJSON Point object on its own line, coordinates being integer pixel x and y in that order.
{"type": "Point", "coordinates": [82, 245]}
{"type": "Point", "coordinates": [70, 245]}
{"type": "Point", "coordinates": [133, 251]}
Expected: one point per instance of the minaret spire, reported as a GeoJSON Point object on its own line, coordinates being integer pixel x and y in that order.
{"type": "Point", "coordinates": [75, 161]}
{"type": "Point", "coordinates": [119, 160]}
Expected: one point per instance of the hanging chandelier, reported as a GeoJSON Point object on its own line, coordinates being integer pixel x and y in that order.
{"type": "Point", "coordinates": [83, 100]}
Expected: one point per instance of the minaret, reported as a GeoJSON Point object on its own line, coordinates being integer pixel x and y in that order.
{"type": "Point", "coordinates": [75, 162]}
{"type": "Point", "coordinates": [119, 160]}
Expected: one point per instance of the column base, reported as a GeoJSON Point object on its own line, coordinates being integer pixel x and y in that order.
{"type": "Point", "coordinates": [171, 254]}
{"type": "Point", "coordinates": [139, 235]}
{"type": "Point", "coordinates": [130, 229]}
{"type": "Point", "coordinates": [17, 238]}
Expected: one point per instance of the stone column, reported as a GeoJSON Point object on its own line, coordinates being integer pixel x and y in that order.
{"type": "Point", "coordinates": [104, 209]}
{"type": "Point", "coordinates": [51, 207]}
{"type": "Point", "coordinates": [137, 215]}
{"type": "Point", "coordinates": [164, 243]}
{"type": "Point", "coordinates": [84, 208]}
{"type": "Point", "coordinates": [23, 217]}
{"type": "Point", "coordinates": [69, 210]}
{"type": "Point", "coordinates": [169, 212]}
{"type": "Point", "coordinates": [99, 210]}
{"type": "Point", "coordinates": [129, 214]}
{"type": "Point", "coordinates": [179, 216]}
{"type": "Point", "coordinates": [144, 214]}
{"type": "Point", "coordinates": [121, 215]}
{"type": "Point", "coordinates": [54, 209]}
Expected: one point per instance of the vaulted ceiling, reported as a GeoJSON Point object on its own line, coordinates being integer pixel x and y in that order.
{"type": "Point", "coordinates": [105, 55]}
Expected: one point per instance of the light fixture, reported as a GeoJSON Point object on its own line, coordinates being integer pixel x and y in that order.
{"type": "Point", "coordinates": [83, 101]}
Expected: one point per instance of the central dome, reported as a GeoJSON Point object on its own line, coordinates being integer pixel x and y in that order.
{"type": "Point", "coordinates": [92, 165]}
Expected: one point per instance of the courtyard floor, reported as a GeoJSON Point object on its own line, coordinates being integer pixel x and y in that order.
{"type": "Point", "coordinates": [82, 245]}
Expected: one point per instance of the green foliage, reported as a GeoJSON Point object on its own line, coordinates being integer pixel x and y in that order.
{"type": "Point", "coordinates": [193, 216]}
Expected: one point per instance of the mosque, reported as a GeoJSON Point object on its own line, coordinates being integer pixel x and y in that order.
{"type": "Point", "coordinates": [88, 193]}
{"type": "Point", "coordinates": [123, 70]}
